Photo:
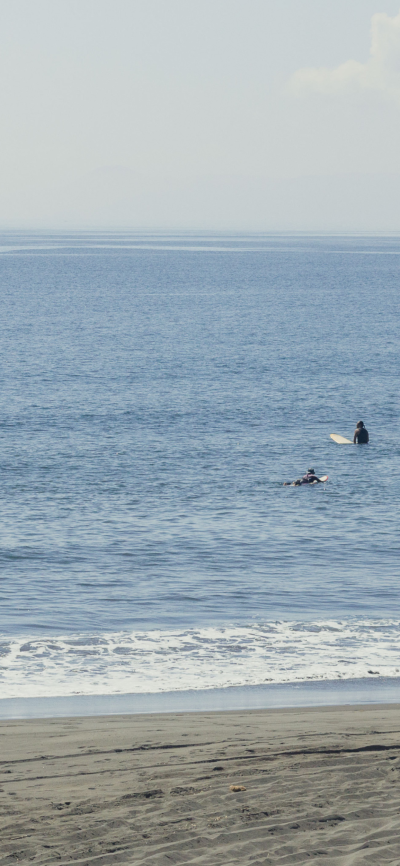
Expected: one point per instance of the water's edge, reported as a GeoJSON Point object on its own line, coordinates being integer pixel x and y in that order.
{"type": "Point", "coordinates": [207, 659]}
{"type": "Point", "coordinates": [317, 694]}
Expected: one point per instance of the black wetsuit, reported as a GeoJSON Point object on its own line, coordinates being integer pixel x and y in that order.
{"type": "Point", "coordinates": [309, 478]}
{"type": "Point", "coordinates": [361, 436]}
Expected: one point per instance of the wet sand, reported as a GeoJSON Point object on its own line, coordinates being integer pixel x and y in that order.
{"type": "Point", "coordinates": [321, 785]}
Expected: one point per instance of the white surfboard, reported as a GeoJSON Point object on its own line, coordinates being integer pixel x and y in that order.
{"type": "Point", "coordinates": [323, 478]}
{"type": "Point", "coordinates": [341, 440]}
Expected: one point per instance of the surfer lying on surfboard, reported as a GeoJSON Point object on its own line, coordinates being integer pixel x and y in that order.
{"type": "Point", "coordinates": [309, 478]}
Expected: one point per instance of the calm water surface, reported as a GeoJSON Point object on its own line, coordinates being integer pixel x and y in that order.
{"type": "Point", "coordinates": [156, 391]}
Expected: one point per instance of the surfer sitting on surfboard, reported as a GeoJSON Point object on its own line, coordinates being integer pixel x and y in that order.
{"type": "Point", "coordinates": [360, 434]}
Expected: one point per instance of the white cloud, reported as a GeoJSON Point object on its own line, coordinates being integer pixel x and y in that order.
{"type": "Point", "coordinates": [381, 73]}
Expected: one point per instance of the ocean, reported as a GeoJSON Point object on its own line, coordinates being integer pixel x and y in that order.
{"type": "Point", "coordinates": [156, 391]}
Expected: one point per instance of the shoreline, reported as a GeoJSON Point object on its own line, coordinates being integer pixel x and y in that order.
{"type": "Point", "coordinates": [323, 693]}
{"type": "Point", "coordinates": [245, 787]}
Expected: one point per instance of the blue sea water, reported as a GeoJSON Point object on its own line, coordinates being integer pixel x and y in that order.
{"type": "Point", "coordinates": [156, 392]}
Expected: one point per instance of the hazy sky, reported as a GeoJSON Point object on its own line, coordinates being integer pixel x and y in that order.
{"type": "Point", "coordinates": [244, 114]}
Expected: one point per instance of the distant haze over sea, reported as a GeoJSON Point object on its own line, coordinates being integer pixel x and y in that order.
{"type": "Point", "coordinates": [117, 197]}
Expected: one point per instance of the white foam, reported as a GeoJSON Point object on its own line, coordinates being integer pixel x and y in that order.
{"type": "Point", "coordinates": [204, 658]}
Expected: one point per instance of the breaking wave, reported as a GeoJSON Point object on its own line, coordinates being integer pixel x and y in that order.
{"type": "Point", "coordinates": [204, 658]}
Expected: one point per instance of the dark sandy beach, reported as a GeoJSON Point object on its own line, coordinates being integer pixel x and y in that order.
{"type": "Point", "coordinates": [321, 785]}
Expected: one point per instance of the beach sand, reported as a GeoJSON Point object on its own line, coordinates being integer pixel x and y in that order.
{"type": "Point", "coordinates": [321, 785]}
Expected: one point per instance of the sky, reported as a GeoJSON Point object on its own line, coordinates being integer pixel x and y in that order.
{"type": "Point", "coordinates": [264, 115]}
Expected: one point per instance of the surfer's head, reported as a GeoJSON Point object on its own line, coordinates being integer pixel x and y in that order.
{"type": "Point", "coordinates": [311, 471]}
{"type": "Point", "coordinates": [360, 424]}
